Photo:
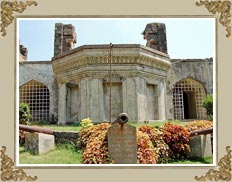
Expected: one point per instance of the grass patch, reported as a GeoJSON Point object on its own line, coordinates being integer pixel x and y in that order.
{"type": "Point", "coordinates": [207, 160]}
{"type": "Point", "coordinates": [62, 154]}
{"type": "Point", "coordinates": [72, 127]}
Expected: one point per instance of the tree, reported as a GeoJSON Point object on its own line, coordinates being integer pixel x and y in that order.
{"type": "Point", "coordinates": [24, 113]}
{"type": "Point", "coordinates": [208, 104]}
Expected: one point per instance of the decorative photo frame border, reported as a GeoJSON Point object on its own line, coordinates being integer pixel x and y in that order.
{"type": "Point", "coordinates": [220, 8]}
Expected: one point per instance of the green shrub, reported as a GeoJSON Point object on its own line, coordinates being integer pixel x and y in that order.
{"type": "Point", "coordinates": [162, 150]}
{"type": "Point", "coordinates": [24, 113]}
{"type": "Point", "coordinates": [177, 138]}
{"type": "Point", "coordinates": [208, 104]}
{"type": "Point", "coordinates": [86, 123]}
{"type": "Point", "coordinates": [24, 117]}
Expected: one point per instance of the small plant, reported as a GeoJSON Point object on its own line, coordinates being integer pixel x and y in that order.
{"type": "Point", "coordinates": [177, 138]}
{"type": "Point", "coordinates": [53, 119]}
{"type": "Point", "coordinates": [24, 117]}
{"type": "Point", "coordinates": [208, 104]}
{"type": "Point", "coordinates": [24, 113]}
{"type": "Point", "coordinates": [86, 123]}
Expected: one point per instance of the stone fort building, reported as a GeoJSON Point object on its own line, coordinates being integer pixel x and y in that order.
{"type": "Point", "coordinates": [145, 83]}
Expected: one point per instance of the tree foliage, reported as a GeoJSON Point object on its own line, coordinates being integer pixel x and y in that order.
{"type": "Point", "coordinates": [208, 104]}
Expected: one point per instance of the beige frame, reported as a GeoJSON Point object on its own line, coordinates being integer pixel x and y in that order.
{"type": "Point", "coordinates": [168, 174]}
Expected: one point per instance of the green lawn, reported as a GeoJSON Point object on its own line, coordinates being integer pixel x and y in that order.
{"type": "Point", "coordinates": [208, 160]}
{"type": "Point", "coordinates": [62, 154]}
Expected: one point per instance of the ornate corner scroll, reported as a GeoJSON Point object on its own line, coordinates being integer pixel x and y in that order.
{"type": "Point", "coordinates": [7, 12]}
{"type": "Point", "coordinates": [221, 7]}
{"type": "Point", "coordinates": [8, 170]}
{"type": "Point", "coordinates": [223, 172]}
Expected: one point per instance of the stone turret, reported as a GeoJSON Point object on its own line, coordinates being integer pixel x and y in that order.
{"type": "Point", "coordinates": [65, 38]}
{"type": "Point", "coordinates": [155, 34]}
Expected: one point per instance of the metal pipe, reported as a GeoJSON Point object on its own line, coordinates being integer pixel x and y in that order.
{"type": "Point", "coordinates": [36, 129]}
{"type": "Point", "coordinates": [201, 132]}
{"type": "Point", "coordinates": [121, 119]}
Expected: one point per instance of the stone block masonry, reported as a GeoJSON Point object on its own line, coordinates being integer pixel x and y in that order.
{"type": "Point", "coordinates": [155, 34]}
{"type": "Point", "coordinates": [39, 143]}
{"type": "Point", "coordinates": [65, 137]}
{"type": "Point", "coordinates": [65, 38]}
{"type": "Point", "coordinates": [201, 146]}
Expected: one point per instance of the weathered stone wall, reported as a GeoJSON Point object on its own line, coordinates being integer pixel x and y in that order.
{"type": "Point", "coordinates": [66, 137]}
{"type": "Point", "coordinates": [40, 71]}
{"type": "Point", "coordinates": [198, 69]}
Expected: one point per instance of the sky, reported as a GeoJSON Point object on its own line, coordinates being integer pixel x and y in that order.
{"type": "Point", "coordinates": [186, 37]}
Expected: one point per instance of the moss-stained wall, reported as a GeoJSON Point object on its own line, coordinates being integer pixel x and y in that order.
{"type": "Point", "coordinates": [40, 71]}
{"type": "Point", "coordinates": [198, 69]}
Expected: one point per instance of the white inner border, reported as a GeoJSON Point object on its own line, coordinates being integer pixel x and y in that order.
{"type": "Point", "coordinates": [112, 165]}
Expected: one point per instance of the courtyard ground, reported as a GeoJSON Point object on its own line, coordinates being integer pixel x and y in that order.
{"type": "Point", "coordinates": [67, 154]}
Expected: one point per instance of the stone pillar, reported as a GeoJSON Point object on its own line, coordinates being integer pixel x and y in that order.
{"type": "Point", "coordinates": [130, 101]}
{"type": "Point", "coordinates": [83, 98]}
{"type": "Point", "coordinates": [94, 105]}
{"type": "Point", "coordinates": [162, 102]}
{"type": "Point", "coordinates": [155, 34]}
{"type": "Point", "coordinates": [62, 94]}
{"type": "Point", "coordinates": [65, 38]}
{"type": "Point", "coordinates": [142, 99]}
{"type": "Point", "coordinates": [101, 100]}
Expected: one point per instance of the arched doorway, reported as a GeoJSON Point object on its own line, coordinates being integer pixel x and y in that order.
{"type": "Point", "coordinates": [188, 95]}
{"type": "Point", "coordinates": [37, 96]}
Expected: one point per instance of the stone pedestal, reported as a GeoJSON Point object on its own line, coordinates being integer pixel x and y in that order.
{"type": "Point", "coordinates": [201, 146]}
{"type": "Point", "coordinates": [39, 143]}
